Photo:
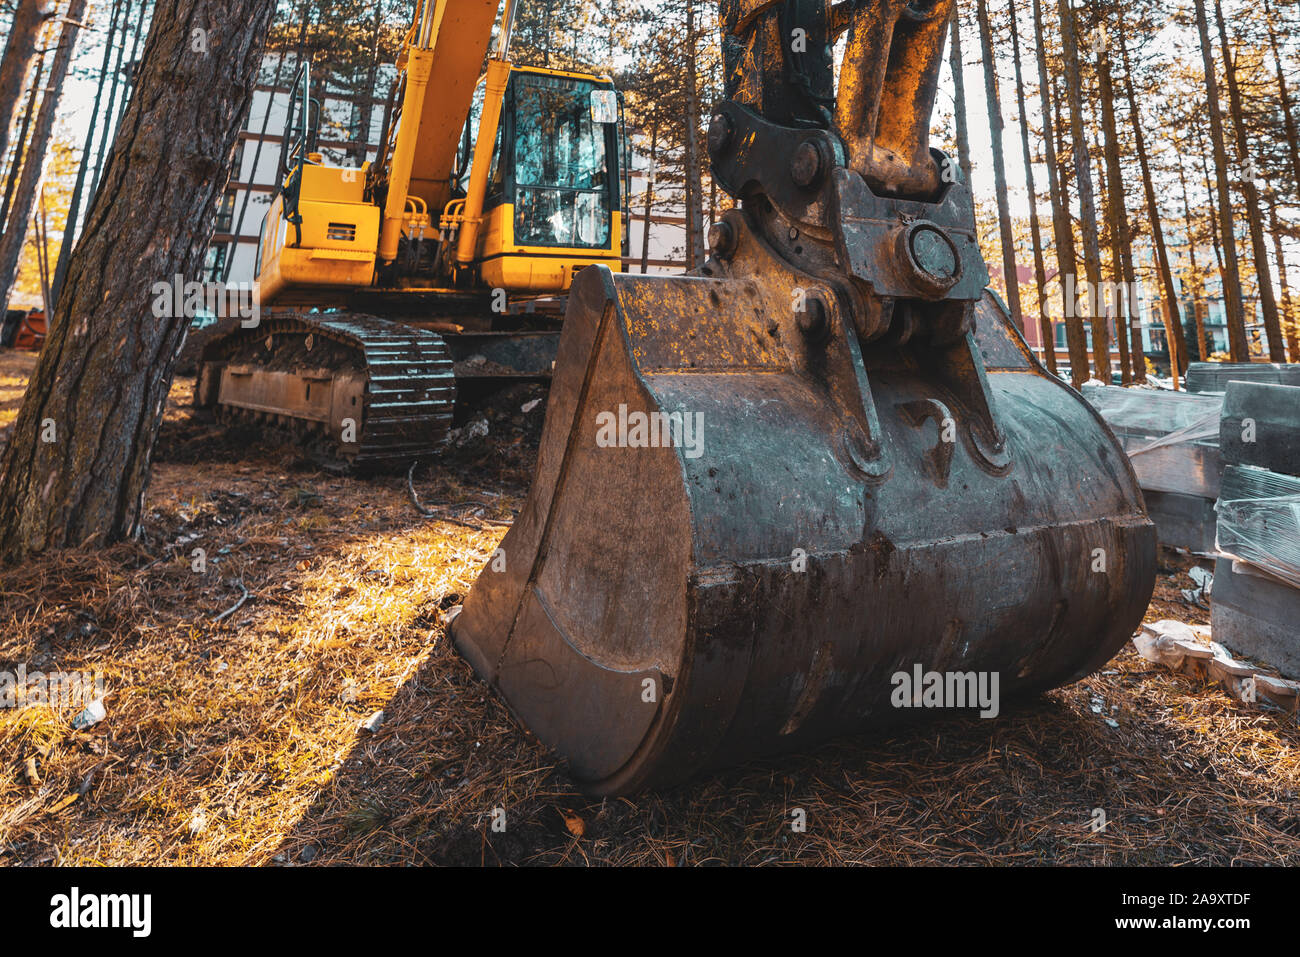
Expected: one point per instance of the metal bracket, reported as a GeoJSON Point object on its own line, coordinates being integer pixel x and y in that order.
{"type": "Point", "coordinates": [789, 166]}
{"type": "Point", "coordinates": [906, 249]}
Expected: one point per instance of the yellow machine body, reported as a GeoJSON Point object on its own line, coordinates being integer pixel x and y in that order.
{"type": "Point", "coordinates": [379, 277]}
{"type": "Point", "coordinates": [334, 230]}
{"type": "Point", "coordinates": [340, 232]}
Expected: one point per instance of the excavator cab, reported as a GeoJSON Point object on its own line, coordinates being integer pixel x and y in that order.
{"type": "Point", "coordinates": [557, 183]}
{"type": "Point", "coordinates": [553, 199]}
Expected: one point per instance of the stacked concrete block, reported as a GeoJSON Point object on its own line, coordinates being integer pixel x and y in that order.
{"type": "Point", "coordinates": [1215, 376]}
{"type": "Point", "coordinates": [1172, 439]}
{"type": "Point", "coordinates": [1256, 596]}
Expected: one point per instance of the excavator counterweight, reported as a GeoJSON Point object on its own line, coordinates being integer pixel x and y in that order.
{"type": "Point", "coordinates": [767, 490]}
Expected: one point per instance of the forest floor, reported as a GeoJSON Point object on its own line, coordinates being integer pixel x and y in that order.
{"type": "Point", "coordinates": [239, 741]}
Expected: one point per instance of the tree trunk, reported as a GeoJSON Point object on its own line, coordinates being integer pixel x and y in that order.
{"type": "Point", "coordinates": [1076, 335]}
{"type": "Point", "coordinates": [102, 379]}
{"type": "Point", "coordinates": [1284, 95]}
{"type": "Point", "coordinates": [1011, 280]}
{"type": "Point", "coordinates": [20, 146]}
{"type": "Point", "coordinates": [1237, 344]}
{"type": "Point", "coordinates": [1116, 211]}
{"type": "Point", "coordinates": [113, 116]}
{"type": "Point", "coordinates": [20, 53]}
{"type": "Point", "coordinates": [43, 252]}
{"type": "Point", "coordinates": [368, 92]}
{"type": "Point", "coordinates": [1133, 314]}
{"type": "Point", "coordinates": [1132, 330]}
{"type": "Point", "coordinates": [1035, 232]}
{"type": "Point", "coordinates": [1214, 210]}
{"type": "Point", "coordinates": [1250, 193]}
{"type": "Point", "coordinates": [649, 194]}
{"type": "Point", "coordinates": [29, 185]}
{"type": "Point", "coordinates": [74, 205]}
{"type": "Point", "coordinates": [1083, 183]}
{"type": "Point", "coordinates": [1288, 325]}
{"type": "Point", "coordinates": [959, 94]}
{"type": "Point", "coordinates": [1061, 228]}
{"type": "Point", "coordinates": [1108, 296]}
{"type": "Point", "coordinates": [1205, 347]}
{"type": "Point", "coordinates": [1174, 326]}
{"type": "Point", "coordinates": [110, 113]}
{"type": "Point", "coordinates": [694, 185]}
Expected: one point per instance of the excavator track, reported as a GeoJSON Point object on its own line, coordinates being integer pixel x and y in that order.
{"type": "Point", "coordinates": [359, 392]}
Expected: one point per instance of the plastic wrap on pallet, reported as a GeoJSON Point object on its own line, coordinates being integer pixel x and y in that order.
{"type": "Point", "coordinates": [1167, 418]}
{"type": "Point", "coordinates": [1259, 520]}
{"type": "Point", "coordinates": [1215, 376]}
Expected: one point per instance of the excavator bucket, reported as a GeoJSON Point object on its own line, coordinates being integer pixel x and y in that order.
{"type": "Point", "coordinates": [775, 498]}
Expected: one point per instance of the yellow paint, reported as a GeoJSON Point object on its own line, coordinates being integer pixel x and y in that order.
{"type": "Point", "coordinates": [498, 73]}
{"type": "Point", "coordinates": [503, 263]}
{"type": "Point", "coordinates": [345, 237]}
{"type": "Point", "coordinates": [339, 234]}
{"type": "Point", "coordinates": [418, 67]}
{"type": "Point", "coordinates": [459, 43]}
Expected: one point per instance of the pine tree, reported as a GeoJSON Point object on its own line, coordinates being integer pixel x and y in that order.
{"type": "Point", "coordinates": [1040, 270]}
{"type": "Point", "coordinates": [76, 467]}
{"type": "Point", "coordinates": [16, 64]}
{"type": "Point", "coordinates": [1010, 278]}
{"type": "Point", "coordinates": [29, 184]}
{"type": "Point", "coordinates": [1238, 346]}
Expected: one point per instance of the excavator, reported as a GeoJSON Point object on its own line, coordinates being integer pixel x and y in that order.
{"type": "Point", "coordinates": [386, 283]}
{"type": "Point", "coordinates": [767, 490]}
{"type": "Point", "coordinates": [882, 501]}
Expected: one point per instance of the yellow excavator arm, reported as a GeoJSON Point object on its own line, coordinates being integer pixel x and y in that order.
{"type": "Point", "coordinates": [444, 53]}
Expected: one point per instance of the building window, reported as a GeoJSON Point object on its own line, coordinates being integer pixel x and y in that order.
{"type": "Point", "coordinates": [226, 212]}
{"type": "Point", "coordinates": [214, 262]}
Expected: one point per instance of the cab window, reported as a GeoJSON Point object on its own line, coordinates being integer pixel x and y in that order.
{"type": "Point", "coordinates": [561, 170]}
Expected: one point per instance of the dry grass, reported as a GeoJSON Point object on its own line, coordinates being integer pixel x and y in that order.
{"type": "Point", "coordinates": [15, 369]}
{"type": "Point", "coordinates": [239, 743]}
